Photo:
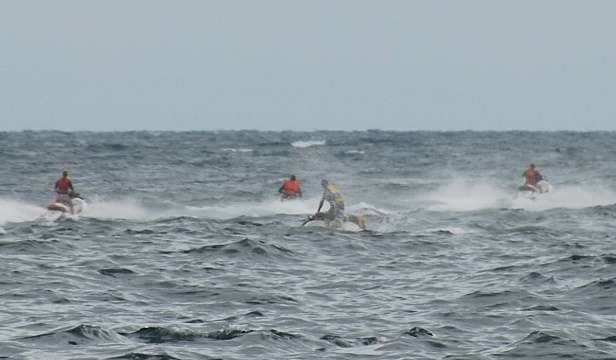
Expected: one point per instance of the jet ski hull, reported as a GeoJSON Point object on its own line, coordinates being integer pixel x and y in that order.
{"type": "Point", "coordinates": [78, 206]}
{"type": "Point", "coordinates": [351, 223]}
{"type": "Point", "coordinates": [344, 226]}
{"type": "Point", "coordinates": [531, 191]}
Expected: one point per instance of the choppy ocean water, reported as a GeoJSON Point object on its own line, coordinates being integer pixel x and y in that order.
{"type": "Point", "coordinates": [185, 252]}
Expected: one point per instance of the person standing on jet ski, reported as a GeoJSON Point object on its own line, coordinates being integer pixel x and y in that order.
{"type": "Point", "coordinates": [290, 189]}
{"type": "Point", "coordinates": [532, 177]}
{"type": "Point", "coordinates": [64, 187]}
{"type": "Point", "coordinates": [335, 200]}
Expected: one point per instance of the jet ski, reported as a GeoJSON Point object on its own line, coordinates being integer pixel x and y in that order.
{"type": "Point", "coordinates": [78, 203]}
{"type": "Point", "coordinates": [351, 223]}
{"type": "Point", "coordinates": [531, 191]}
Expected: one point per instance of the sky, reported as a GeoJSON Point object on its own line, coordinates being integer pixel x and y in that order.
{"type": "Point", "coordinates": [307, 65]}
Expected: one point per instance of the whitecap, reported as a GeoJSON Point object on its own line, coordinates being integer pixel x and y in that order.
{"type": "Point", "coordinates": [237, 150]}
{"type": "Point", "coordinates": [308, 143]}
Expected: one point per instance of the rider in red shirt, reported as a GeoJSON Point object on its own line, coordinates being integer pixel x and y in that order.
{"type": "Point", "coordinates": [64, 187]}
{"type": "Point", "coordinates": [532, 175]}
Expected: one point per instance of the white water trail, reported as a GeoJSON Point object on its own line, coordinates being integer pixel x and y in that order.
{"type": "Point", "coordinates": [569, 197]}
{"type": "Point", "coordinates": [463, 195]}
{"type": "Point", "coordinates": [126, 208]}
{"type": "Point", "coordinates": [255, 209]}
{"type": "Point", "coordinates": [18, 211]}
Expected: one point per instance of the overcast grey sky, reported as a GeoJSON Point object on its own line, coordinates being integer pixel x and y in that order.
{"type": "Point", "coordinates": [305, 65]}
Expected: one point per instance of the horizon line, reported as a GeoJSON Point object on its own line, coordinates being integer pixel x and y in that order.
{"type": "Point", "coordinates": [308, 131]}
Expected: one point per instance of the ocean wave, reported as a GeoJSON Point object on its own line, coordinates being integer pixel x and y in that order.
{"type": "Point", "coordinates": [113, 272]}
{"type": "Point", "coordinates": [143, 356]}
{"type": "Point", "coordinates": [245, 247]}
{"type": "Point", "coordinates": [541, 344]}
{"type": "Point", "coordinates": [159, 335]}
{"type": "Point", "coordinates": [29, 246]}
{"type": "Point", "coordinates": [80, 334]}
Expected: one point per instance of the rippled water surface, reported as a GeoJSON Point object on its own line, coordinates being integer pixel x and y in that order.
{"type": "Point", "coordinates": [185, 252]}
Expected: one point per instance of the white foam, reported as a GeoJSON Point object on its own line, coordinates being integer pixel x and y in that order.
{"type": "Point", "coordinates": [255, 209]}
{"type": "Point", "coordinates": [570, 197]}
{"type": "Point", "coordinates": [18, 211]}
{"type": "Point", "coordinates": [308, 143]}
{"type": "Point", "coordinates": [118, 209]}
{"type": "Point", "coordinates": [352, 152]}
{"type": "Point", "coordinates": [237, 150]}
{"type": "Point", "coordinates": [462, 195]}
{"type": "Point", "coordinates": [363, 208]}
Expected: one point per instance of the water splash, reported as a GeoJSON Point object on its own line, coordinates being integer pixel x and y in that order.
{"type": "Point", "coordinates": [18, 211]}
{"type": "Point", "coordinates": [463, 195]}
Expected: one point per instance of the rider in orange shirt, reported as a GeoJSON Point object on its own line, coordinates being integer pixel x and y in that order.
{"type": "Point", "coordinates": [290, 189]}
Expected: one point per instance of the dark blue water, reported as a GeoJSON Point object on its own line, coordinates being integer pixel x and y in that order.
{"type": "Point", "coordinates": [185, 252]}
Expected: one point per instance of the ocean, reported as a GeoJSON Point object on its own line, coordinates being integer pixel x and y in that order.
{"type": "Point", "coordinates": [186, 252]}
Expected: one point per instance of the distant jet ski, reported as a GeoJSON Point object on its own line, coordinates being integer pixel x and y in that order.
{"type": "Point", "coordinates": [79, 204]}
{"type": "Point", "coordinates": [352, 223]}
{"type": "Point", "coordinates": [532, 191]}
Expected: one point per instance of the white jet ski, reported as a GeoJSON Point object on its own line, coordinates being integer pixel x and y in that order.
{"type": "Point", "coordinates": [351, 223]}
{"type": "Point", "coordinates": [285, 197]}
{"type": "Point", "coordinates": [78, 203]}
{"type": "Point", "coordinates": [531, 191]}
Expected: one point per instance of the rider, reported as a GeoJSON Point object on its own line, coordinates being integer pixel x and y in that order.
{"type": "Point", "coordinates": [532, 176]}
{"type": "Point", "coordinates": [64, 187]}
{"type": "Point", "coordinates": [290, 189]}
{"type": "Point", "coordinates": [335, 200]}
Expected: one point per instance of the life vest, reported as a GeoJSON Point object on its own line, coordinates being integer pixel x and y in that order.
{"type": "Point", "coordinates": [291, 187]}
{"type": "Point", "coordinates": [531, 177]}
{"type": "Point", "coordinates": [334, 197]}
{"type": "Point", "coordinates": [63, 184]}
